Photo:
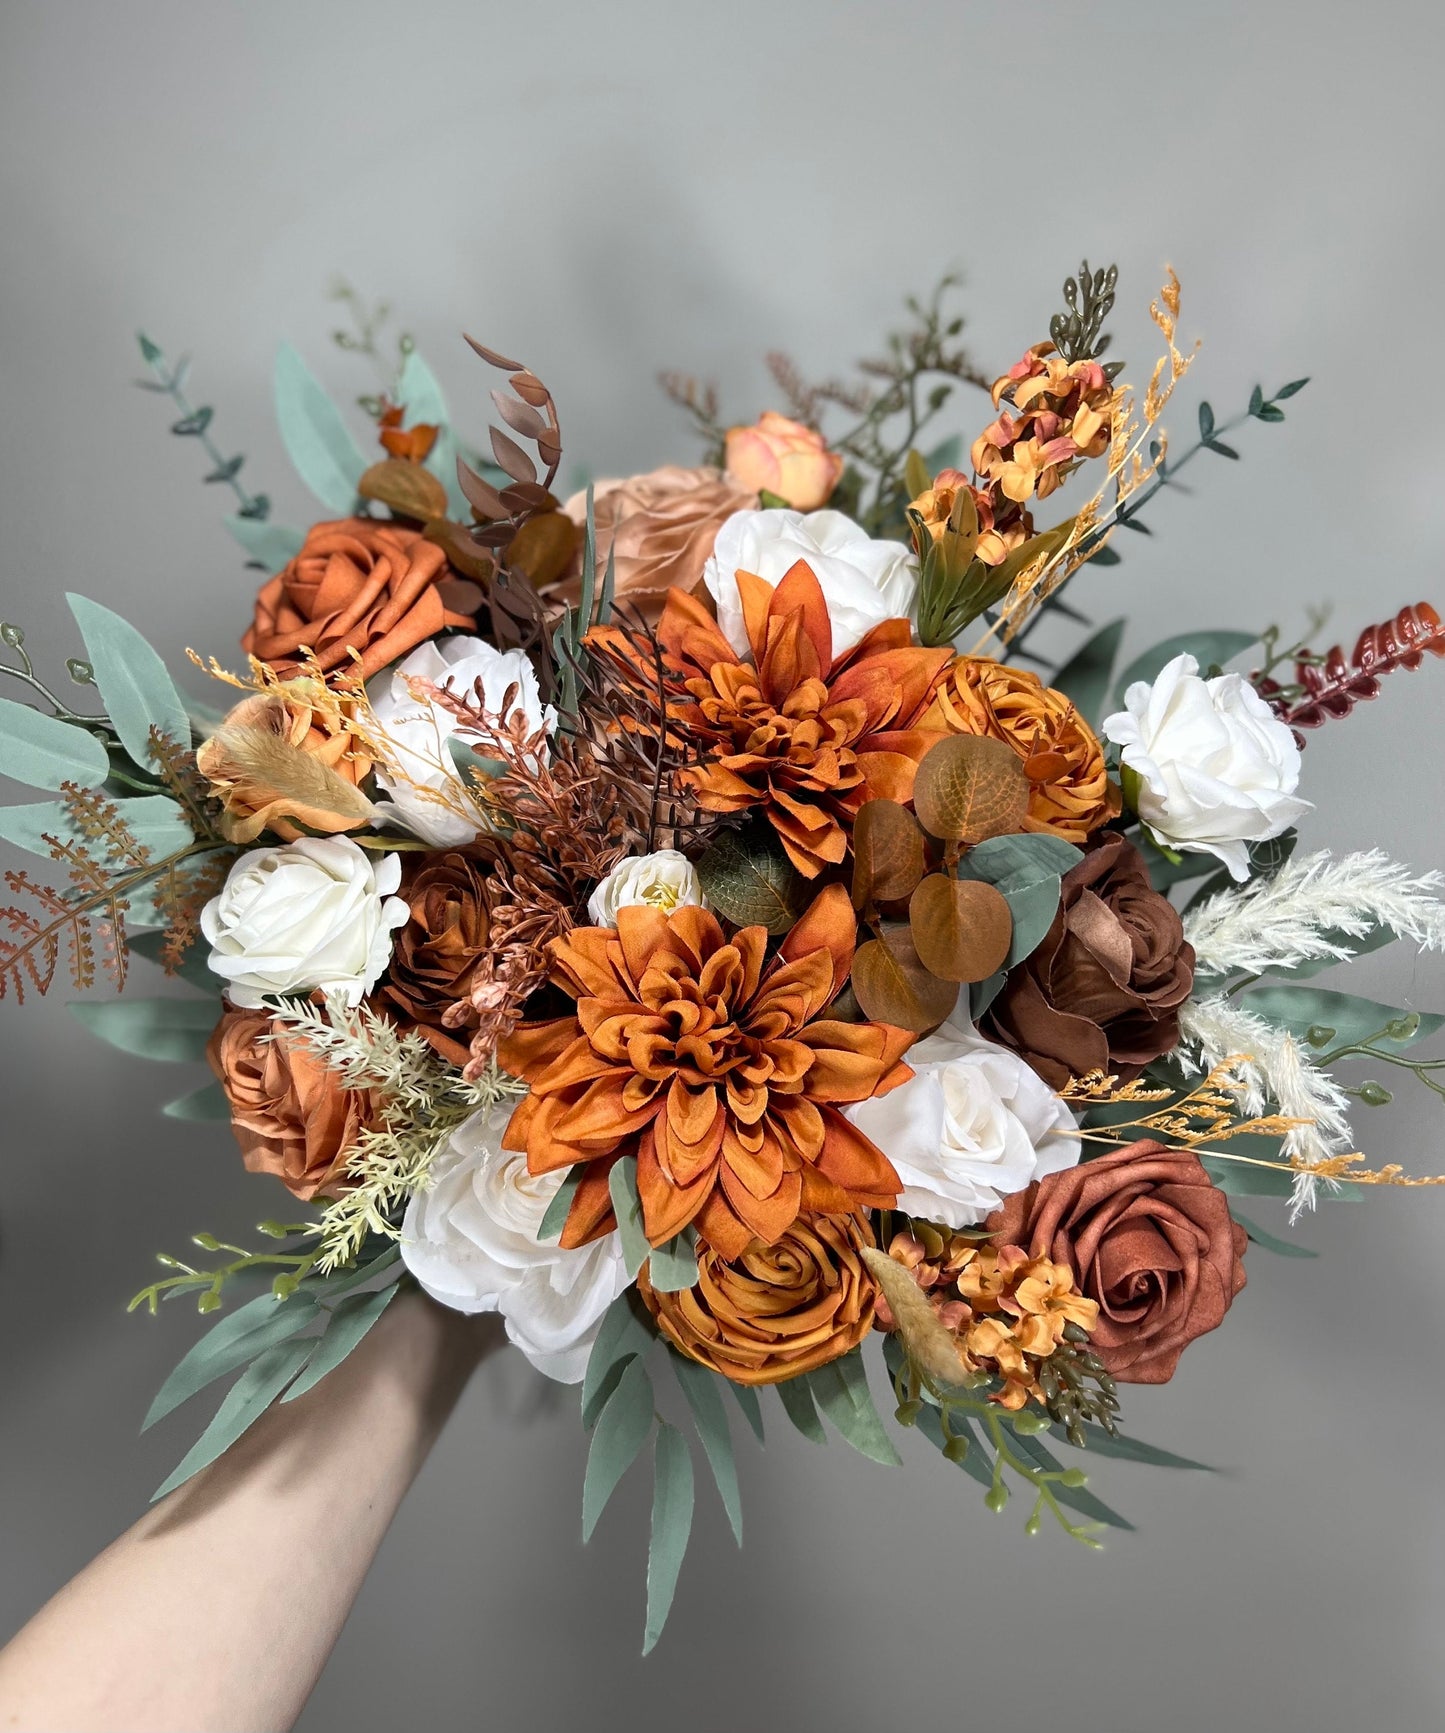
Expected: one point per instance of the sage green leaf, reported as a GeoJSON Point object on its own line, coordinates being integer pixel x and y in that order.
{"type": "Point", "coordinates": [317, 440]}
{"type": "Point", "coordinates": [673, 1267]}
{"type": "Point", "coordinates": [700, 1387]}
{"type": "Point", "coordinates": [621, 1431]}
{"type": "Point", "coordinates": [746, 876]}
{"type": "Point", "coordinates": [207, 1102]}
{"type": "Point", "coordinates": [947, 454]}
{"type": "Point", "coordinates": [1300, 1009]}
{"type": "Point", "coordinates": [1085, 677]}
{"type": "Point", "coordinates": [1164, 872]}
{"type": "Point", "coordinates": [841, 1391]}
{"type": "Point", "coordinates": [797, 1401]}
{"type": "Point", "coordinates": [44, 752]}
{"type": "Point", "coordinates": [672, 1500]}
{"type": "Point", "coordinates": [420, 395]}
{"type": "Point", "coordinates": [976, 1462]}
{"type": "Point", "coordinates": [625, 1334]}
{"type": "Point", "coordinates": [194, 969]}
{"type": "Point", "coordinates": [245, 1402]}
{"type": "Point", "coordinates": [1077, 1498]}
{"type": "Point", "coordinates": [1272, 1242]}
{"type": "Point", "coordinates": [240, 1336]}
{"type": "Point", "coordinates": [1128, 1449]}
{"type": "Point", "coordinates": [174, 1030]}
{"type": "Point", "coordinates": [1033, 908]}
{"type": "Point", "coordinates": [154, 820]}
{"type": "Point", "coordinates": [555, 1218]}
{"type": "Point", "coordinates": [1013, 862]}
{"type": "Point", "coordinates": [134, 685]}
{"type": "Point", "coordinates": [1206, 648]}
{"type": "Point", "coordinates": [747, 1400]}
{"type": "Point", "coordinates": [270, 545]}
{"type": "Point", "coordinates": [349, 1321]}
{"type": "Point", "coordinates": [622, 1184]}
{"type": "Point", "coordinates": [330, 1288]}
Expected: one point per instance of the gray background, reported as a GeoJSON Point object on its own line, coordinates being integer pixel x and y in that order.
{"type": "Point", "coordinates": [607, 190]}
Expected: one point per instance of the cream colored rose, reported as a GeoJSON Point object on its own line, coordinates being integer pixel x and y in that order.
{"type": "Point", "coordinates": [666, 880]}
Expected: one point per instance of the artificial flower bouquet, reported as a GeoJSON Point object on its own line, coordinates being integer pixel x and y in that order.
{"type": "Point", "coordinates": [693, 919]}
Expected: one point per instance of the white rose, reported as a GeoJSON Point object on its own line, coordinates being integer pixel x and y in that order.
{"type": "Point", "coordinates": [309, 914]}
{"type": "Point", "coordinates": [666, 880]}
{"type": "Point", "coordinates": [863, 582]}
{"type": "Point", "coordinates": [1217, 768]}
{"type": "Point", "coordinates": [971, 1127]}
{"type": "Point", "coordinates": [417, 732]}
{"type": "Point", "coordinates": [470, 1239]}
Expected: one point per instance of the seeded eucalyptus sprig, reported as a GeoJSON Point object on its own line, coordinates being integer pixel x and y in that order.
{"type": "Point", "coordinates": [1078, 332]}
{"type": "Point", "coordinates": [194, 423]}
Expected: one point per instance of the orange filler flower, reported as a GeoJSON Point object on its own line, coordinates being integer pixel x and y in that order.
{"type": "Point", "coordinates": [716, 1070]}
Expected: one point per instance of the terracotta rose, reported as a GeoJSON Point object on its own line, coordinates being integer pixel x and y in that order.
{"type": "Point", "coordinates": [363, 584]}
{"type": "Point", "coordinates": [660, 528]}
{"type": "Point", "coordinates": [1148, 1236]}
{"type": "Point", "coordinates": [437, 953]}
{"type": "Point", "coordinates": [1103, 990]}
{"type": "Point", "coordinates": [290, 1115]}
{"type": "Point", "coordinates": [777, 1310]}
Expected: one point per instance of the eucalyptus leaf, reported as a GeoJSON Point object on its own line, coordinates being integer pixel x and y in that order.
{"type": "Point", "coordinates": [245, 1402]}
{"type": "Point", "coordinates": [269, 545]}
{"type": "Point", "coordinates": [174, 1030]}
{"type": "Point", "coordinates": [625, 1334]}
{"type": "Point", "coordinates": [239, 1337]}
{"type": "Point", "coordinates": [1300, 1009]}
{"type": "Point", "coordinates": [752, 1410]}
{"type": "Point", "coordinates": [348, 1323]}
{"type": "Point", "coordinates": [1077, 1498]}
{"type": "Point", "coordinates": [1129, 1449]}
{"type": "Point", "coordinates": [1207, 648]}
{"type": "Point", "coordinates": [316, 438]}
{"type": "Point", "coordinates": [194, 970]}
{"type": "Point", "coordinates": [983, 993]}
{"type": "Point", "coordinates": [622, 1184]}
{"type": "Point", "coordinates": [1085, 677]}
{"type": "Point", "coordinates": [976, 1463]}
{"type": "Point", "coordinates": [1272, 1242]}
{"type": "Point", "coordinates": [704, 1397]}
{"type": "Point", "coordinates": [206, 1103]}
{"type": "Point", "coordinates": [137, 691]}
{"type": "Point", "coordinates": [841, 1391]}
{"type": "Point", "coordinates": [154, 820]}
{"type": "Point", "coordinates": [1033, 908]}
{"type": "Point", "coordinates": [746, 876]}
{"type": "Point", "coordinates": [797, 1401]}
{"type": "Point", "coordinates": [672, 1502]}
{"type": "Point", "coordinates": [43, 752]}
{"type": "Point", "coordinates": [673, 1266]}
{"type": "Point", "coordinates": [1013, 862]}
{"type": "Point", "coordinates": [421, 396]}
{"type": "Point", "coordinates": [555, 1218]}
{"type": "Point", "coordinates": [621, 1431]}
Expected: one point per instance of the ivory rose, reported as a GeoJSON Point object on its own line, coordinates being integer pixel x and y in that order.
{"type": "Point", "coordinates": [665, 880]}
{"type": "Point", "coordinates": [784, 458]}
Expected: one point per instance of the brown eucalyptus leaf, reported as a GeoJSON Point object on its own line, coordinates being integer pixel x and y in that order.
{"type": "Point", "coordinates": [492, 357]}
{"type": "Point", "coordinates": [511, 457]}
{"type": "Point", "coordinates": [519, 416]}
{"type": "Point", "coordinates": [549, 445]}
{"type": "Point", "coordinates": [893, 986]}
{"type": "Point", "coordinates": [961, 928]}
{"type": "Point", "coordinates": [480, 494]}
{"type": "Point", "coordinates": [529, 388]}
{"type": "Point", "coordinates": [525, 496]}
{"type": "Point", "coordinates": [969, 788]}
{"type": "Point", "coordinates": [462, 549]}
{"type": "Point", "coordinates": [542, 549]}
{"type": "Point", "coordinates": [887, 853]}
{"type": "Point", "coordinates": [405, 487]}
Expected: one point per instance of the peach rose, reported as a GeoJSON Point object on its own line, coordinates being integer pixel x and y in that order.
{"type": "Point", "coordinates": [785, 458]}
{"type": "Point", "coordinates": [250, 804]}
{"type": "Point", "coordinates": [358, 584]}
{"type": "Point", "coordinates": [289, 1112]}
{"type": "Point", "coordinates": [658, 527]}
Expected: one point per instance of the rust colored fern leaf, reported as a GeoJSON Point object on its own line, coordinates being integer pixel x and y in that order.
{"type": "Point", "coordinates": [1332, 688]}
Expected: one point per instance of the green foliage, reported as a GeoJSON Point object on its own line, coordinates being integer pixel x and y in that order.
{"type": "Point", "coordinates": [347, 1322]}
{"type": "Point", "coordinates": [625, 1334]}
{"type": "Point", "coordinates": [195, 423]}
{"type": "Point", "coordinates": [747, 877]}
{"type": "Point", "coordinates": [673, 1266]}
{"type": "Point", "coordinates": [1208, 649]}
{"type": "Point", "coordinates": [622, 1184]}
{"type": "Point", "coordinates": [206, 1103]}
{"type": "Point", "coordinates": [153, 820]}
{"type": "Point", "coordinates": [1272, 1242]}
{"type": "Point", "coordinates": [137, 691]}
{"type": "Point", "coordinates": [841, 1390]}
{"type": "Point", "coordinates": [316, 438]}
{"type": "Point", "coordinates": [1086, 676]}
{"type": "Point", "coordinates": [1078, 332]}
{"type": "Point", "coordinates": [420, 394]}
{"type": "Point", "coordinates": [700, 1387]}
{"type": "Point", "coordinates": [621, 1431]}
{"type": "Point", "coordinates": [240, 1337]}
{"type": "Point", "coordinates": [45, 752]}
{"type": "Point", "coordinates": [268, 545]}
{"type": "Point", "coordinates": [243, 1405]}
{"type": "Point", "coordinates": [1339, 1021]}
{"type": "Point", "coordinates": [1027, 870]}
{"type": "Point", "coordinates": [555, 1217]}
{"type": "Point", "coordinates": [175, 1030]}
{"type": "Point", "coordinates": [672, 1501]}
{"type": "Point", "coordinates": [797, 1400]}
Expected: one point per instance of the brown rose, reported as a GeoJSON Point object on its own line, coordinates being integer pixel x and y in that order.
{"type": "Point", "coordinates": [1103, 990]}
{"type": "Point", "coordinates": [1070, 794]}
{"type": "Point", "coordinates": [437, 953]}
{"type": "Point", "coordinates": [360, 584]}
{"type": "Point", "coordinates": [289, 1112]}
{"type": "Point", "coordinates": [1149, 1236]}
{"type": "Point", "coordinates": [661, 526]}
{"type": "Point", "coordinates": [236, 772]}
{"type": "Point", "coordinates": [777, 1310]}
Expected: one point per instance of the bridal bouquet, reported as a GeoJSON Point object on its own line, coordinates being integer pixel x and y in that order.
{"type": "Point", "coordinates": [694, 918]}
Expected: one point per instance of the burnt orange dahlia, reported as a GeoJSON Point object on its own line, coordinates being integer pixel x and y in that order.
{"type": "Point", "coordinates": [714, 1068]}
{"type": "Point", "coordinates": [804, 738]}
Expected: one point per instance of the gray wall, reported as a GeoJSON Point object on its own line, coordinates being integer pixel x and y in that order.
{"type": "Point", "coordinates": [607, 190]}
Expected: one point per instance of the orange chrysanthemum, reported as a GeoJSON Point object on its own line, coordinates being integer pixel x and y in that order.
{"type": "Point", "coordinates": [800, 736]}
{"type": "Point", "coordinates": [718, 1073]}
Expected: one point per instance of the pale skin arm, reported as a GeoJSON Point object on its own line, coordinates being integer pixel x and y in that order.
{"type": "Point", "coordinates": [219, 1608]}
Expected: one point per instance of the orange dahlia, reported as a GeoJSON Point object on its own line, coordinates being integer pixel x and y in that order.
{"type": "Point", "coordinates": [714, 1068]}
{"type": "Point", "coordinates": [804, 738]}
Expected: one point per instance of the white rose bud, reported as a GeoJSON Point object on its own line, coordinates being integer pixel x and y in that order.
{"type": "Point", "coordinates": [863, 582]}
{"type": "Point", "coordinates": [470, 1239]}
{"type": "Point", "coordinates": [317, 913]}
{"type": "Point", "coordinates": [666, 880]}
{"type": "Point", "coordinates": [973, 1125]}
{"type": "Point", "coordinates": [1216, 768]}
{"type": "Point", "coordinates": [417, 732]}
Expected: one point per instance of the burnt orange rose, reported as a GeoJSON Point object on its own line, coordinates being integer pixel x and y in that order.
{"type": "Point", "coordinates": [234, 762]}
{"type": "Point", "coordinates": [358, 584]}
{"type": "Point", "coordinates": [776, 1311]}
{"type": "Point", "coordinates": [784, 458]}
{"type": "Point", "coordinates": [1070, 794]}
{"type": "Point", "coordinates": [289, 1112]}
{"type": "Point", "coordinates": [659, 530]}
{"type": "Point", "coordinates": [1149, 1237]}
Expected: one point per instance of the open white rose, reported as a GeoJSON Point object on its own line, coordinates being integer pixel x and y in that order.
{"type": "Point", "coordinates": [971, 1127]}
{"type": "Point", "coordinates": [666, 880]}
{"type": "Point", "coordinates": [470, 1239]}
{"type": "Point", "coordinates": [1216, 768]}
{"type": "Point", "coordinates": [863, 582]}
{"type": "Point", "coordinates": [417, 732]}
{"type": "Point", "coordinates": [317, 913]}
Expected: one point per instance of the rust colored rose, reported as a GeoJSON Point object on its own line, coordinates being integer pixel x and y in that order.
{"type": "Point", "coordinates": [658, 528]}
{"type": "Point", "coordinates": [358, 584]}
{"type": "Point", "coordinates": [785, 458]}
{"type": "Point", "coordinates": [437, 954]}
{"type": "Point", "coordinates": [776, 1311]}
{"type": "Point", "coordinates": [1148, 1236]}
{"type": "Point", "coordinates": [1070, 794]}
{"type": "Point", "coordinates": [249, 801]}
{"type": "Point", "coordinates": [716, 1068]}
{"type": "Point", "coordinates": [1103, 990]}
{"type": "Point", "coordinates": [289, 1112]}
